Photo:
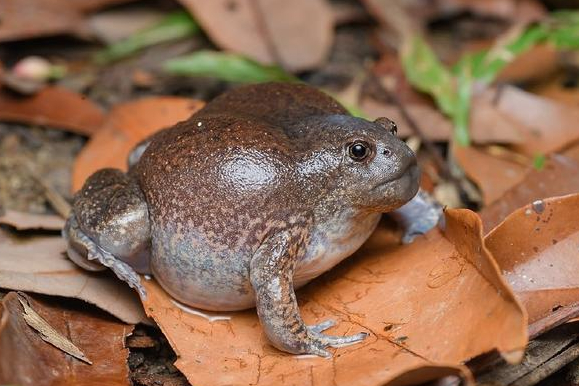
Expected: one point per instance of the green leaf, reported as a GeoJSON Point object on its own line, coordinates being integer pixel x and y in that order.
{"type": "Point", "coordinates": [174, 26]}
{"type": "Point", "coordinates": [461, 112]}
{"type": "Point", "coordinates": [564, 29]}
{"type": "Point", "coordinates": [425, 72]}
{"type": "Point", "coordinates": [224, 66]}
{"type": "Point", "coordinates": [539, 161]}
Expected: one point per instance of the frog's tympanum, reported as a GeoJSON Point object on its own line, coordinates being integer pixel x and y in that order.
{"type": "Point", "coordinates": [256, 194]}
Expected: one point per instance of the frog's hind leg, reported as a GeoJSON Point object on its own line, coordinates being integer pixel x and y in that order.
{"type": "Point", "coordinates": [271, 273]}
{"type": "Point", "coordinates": [109, 226]}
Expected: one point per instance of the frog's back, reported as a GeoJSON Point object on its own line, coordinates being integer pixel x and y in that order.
{"type": "Point", "coordinates": [215, 185]}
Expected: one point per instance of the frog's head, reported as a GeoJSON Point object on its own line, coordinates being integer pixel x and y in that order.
{"type": "Point", "coordinates": [373, 169]}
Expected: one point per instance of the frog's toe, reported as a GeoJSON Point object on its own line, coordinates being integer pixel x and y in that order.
{"type": "Point", "coordinates": [316, 348]}
{"type": "Point", "coordinates": [340, 341]}
{"type": "Point", "coordinates": [323, 326]}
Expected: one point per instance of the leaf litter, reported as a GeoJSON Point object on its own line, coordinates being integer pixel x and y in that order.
{"type": "Point", "coordinates": [451, 281]}
{"type": "Point", "coordinates": [48, 333]}
{"type": "Point", "coordinates": [34, 362]}
{"type": "Point", "coordinates": [456, 289]}
{"type": "Point", "coordinates": [536, 247]}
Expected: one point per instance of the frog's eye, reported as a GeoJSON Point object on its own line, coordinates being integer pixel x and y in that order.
{"type": "Point", "coordinates": [359, 150]}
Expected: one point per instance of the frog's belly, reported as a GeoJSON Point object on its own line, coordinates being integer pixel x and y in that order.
{"type": "Point", "coordinates": [202, 275]}
{"type": "Point", "coordinates": [217, 279]}
{"type": "Point", "coordinates": [332, 243]}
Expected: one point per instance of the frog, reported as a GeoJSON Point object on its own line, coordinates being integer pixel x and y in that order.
{"type": "Point", "coordinates": [262, 190]}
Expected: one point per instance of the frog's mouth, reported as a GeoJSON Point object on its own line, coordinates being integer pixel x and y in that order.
{"type": "Point", "coordinates": [410, 171]}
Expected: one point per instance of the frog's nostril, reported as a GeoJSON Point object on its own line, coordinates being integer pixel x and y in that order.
{"type": "Point", "coordinates": [387, 152]}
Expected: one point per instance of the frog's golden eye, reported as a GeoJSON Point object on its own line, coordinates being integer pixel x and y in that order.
{"type": "Point", "coordinates": [359, 150]}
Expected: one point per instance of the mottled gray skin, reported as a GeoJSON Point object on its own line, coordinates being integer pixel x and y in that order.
{"type": "Point", "coordinates": [250, 198]}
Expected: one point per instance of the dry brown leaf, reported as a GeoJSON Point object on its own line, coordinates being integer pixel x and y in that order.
{"type": "Point", "coordinates": [536, 247]}
{"type": "Point", "coordinates": [48, 334]}
{"type": "Point", "coordinates": [24, 19]}
{"type": "Point", "coordinates": [424, 305]}
{"type": "Point", "coordinates": [493, 175]}
{"type": "Point", "coordinates": [424, 11]}
{"type": "Point", "coordinates": [557, 178]}
{"type": "Point", "coordinates": [23, 221]}
{"type": "Point", "coordinates": [38, 264]}
{"type": "Point", "coordinates": [546, 126]}
{"type": "Point", "coordinates": [127, 124]}
{"type": "Point", "coordinates": [489, 125]}
{"type": "Point", "coordinates": [53, 106]}
{"type": "Point", "coordinates": [536, 63]}
{"type": "Point", "coordinates": [554, 88]}
{"type": "Point", "coordinates": [295, 34]}
{"type": "Point", "coordinates": [33, 362]}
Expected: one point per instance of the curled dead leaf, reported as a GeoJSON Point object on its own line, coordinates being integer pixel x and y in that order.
{"type": "Point", "coordinates": [493, 174]}
{"type": "Point", "coordinates": [38, 264]}
{"type": "Point", "coordinates": [53, 106]}
{"type": "Point", "coordinates": [296, 35]}
{"type": "Point", "coordinates": [22, 220]}
{"type": "Point", "coordinates": [557, 178]}
{"type": "Point", "coordinates": [24, 19]}
{"type": "Point", "coordinates": [126, 125]}
{"type": "Point", "coordinates": [545, 125]}
{"type": "Point", "coordinates": [444, 282]}
{"type": "Point", "coordinates": [536, 248]}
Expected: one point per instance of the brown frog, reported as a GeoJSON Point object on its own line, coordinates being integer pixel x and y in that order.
{"type": "Point", "coordinates": [259, 192]}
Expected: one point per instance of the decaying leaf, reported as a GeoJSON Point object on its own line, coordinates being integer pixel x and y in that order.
{"type": "Point", "coordinates": [546, 125]}
{"type": "Point", "coordinates": [536, 247]}
{"type": "Point", "coordinates": [27, 360]}
{"type": "Point", "coordinates": [296, 35]}
{"type": "Point", "coordinates": [48, 333]}
{"type": "Point", "coordinates": [53, 106]}
{"type": "Point", "coordinates": [126, 125]}
{"type": "Point", "coordinates": [424, 306]}
{"type": "Point", "coordinates": [424, 10]}
{"type": "Point", "coordinates": [494, 175]}
{"type": "Point", "coordinates": [22, 220]}
{"type": "Point", "coordinates": [558, 177]}
{"type": "Point", "coordinates": [24, 19]}
{"type": "Point", "coordinates": [38, 264]}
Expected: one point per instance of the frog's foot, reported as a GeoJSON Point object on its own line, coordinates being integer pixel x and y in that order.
{"type": "Point", "coordinates": [418, 216]}
{"type": "Point", "coordinates": [81, 245]}
{"type": "Point", "coordinates": [316, 343]}
{"type": "Point", "coordinates": [320, 341]}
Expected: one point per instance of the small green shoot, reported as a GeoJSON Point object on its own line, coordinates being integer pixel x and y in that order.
{"type": "Point", "coordinates": [539, 161]}
{"type": "Point", "coordinates": [452, 88]}
{"type": "Point", "coordinates": [227, 67]}
{"type": "Point", "coordinates": [174, 26]}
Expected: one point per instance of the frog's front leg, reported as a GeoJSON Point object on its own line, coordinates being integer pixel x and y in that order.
{"type": "Point", "coordinates": [109, 226]}
{"type": "Point", "coordinates": [271, 271]}
{"type": "Point", "coordinates": [418, 215]}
